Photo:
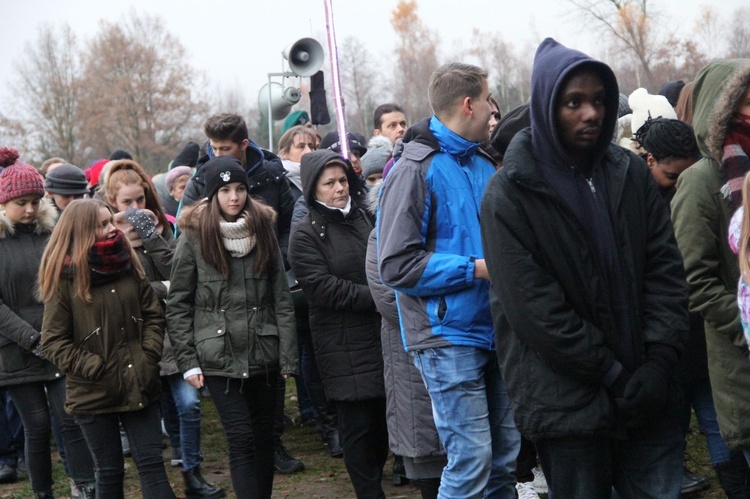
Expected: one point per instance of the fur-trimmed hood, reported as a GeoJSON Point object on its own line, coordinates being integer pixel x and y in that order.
{"type": "Point", "coordinates": [45, 220]}
{"type": "Point", "coordinates": [717, 90]}
{"type": "Point", "coordinates": [187, 220]}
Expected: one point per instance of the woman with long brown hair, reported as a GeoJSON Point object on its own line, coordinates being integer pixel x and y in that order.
{"type": "Point", "coordinates": [230, 317]}
{"type": "Point", "coordinates": [103, 327]}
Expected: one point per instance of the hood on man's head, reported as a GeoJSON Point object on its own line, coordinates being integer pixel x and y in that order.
{"type": "Point", "coordinates": [554, 63]}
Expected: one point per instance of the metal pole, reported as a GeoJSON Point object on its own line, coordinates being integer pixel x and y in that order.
{"type": "Point", "coordinates": [338, 98]}
{"type": "Point", "coordinates": [270, 118]}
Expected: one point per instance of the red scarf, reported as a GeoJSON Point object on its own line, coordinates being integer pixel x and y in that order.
{"type": "Point", "coordinates": [108, 260]}
{"type": "Point", "coordinates": [736, 162]}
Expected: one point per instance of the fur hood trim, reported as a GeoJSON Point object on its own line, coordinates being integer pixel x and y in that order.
{"type": "Point", "coordinates": [45, 220]}
{"type": "Point", "coordinates": [723, 111]}
{"type": "Point", "coordinates": [188, 218]}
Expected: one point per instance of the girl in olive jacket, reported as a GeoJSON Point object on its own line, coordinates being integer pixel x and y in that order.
{"type": "Point", "coordinates": [230, 317]}
{"type": "Point", "coordinates": [104, 327]}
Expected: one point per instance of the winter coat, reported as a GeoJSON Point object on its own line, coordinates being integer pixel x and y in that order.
{"type": "Point", "coordinates": [429, 237]}
{"type": "Point", "coordinates": [21, 248]}
{"type": "Point", "coordinates": [557, 334]}
{"type": "Point", "coordinates": [701, 218]}
{"type": "Point", "coordinates": [234, 328]}
{"type": "Point", "coordinates": [327, 252]}
{"type": "Point", "coordinates": [156, 259]}
{"type": "Point", "coordinates": [267, 181]}
{"type": "Point", "coordinates": [411, 428]}
{"type": "Point", "coordinates": [108, 350]}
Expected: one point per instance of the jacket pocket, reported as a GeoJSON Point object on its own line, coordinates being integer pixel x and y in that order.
{"type": "Point", "coordinates": [266, 348]}
{"type": "Point", "coordinates": [92, 342]}
{"type": "Point", "coordinates": [211, 340]}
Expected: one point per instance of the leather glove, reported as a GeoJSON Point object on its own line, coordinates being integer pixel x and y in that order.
{"type": "Point", "coordinates": [142, 223]}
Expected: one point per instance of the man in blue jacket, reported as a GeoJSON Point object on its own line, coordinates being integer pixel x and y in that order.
{"type": "Point", "coordinates": [588, 290]}
{"type": "Point", "coordinates": [430, 252]}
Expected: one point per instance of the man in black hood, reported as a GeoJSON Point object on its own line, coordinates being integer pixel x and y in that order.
{"type": "Point", "coordinates": [588, 292]}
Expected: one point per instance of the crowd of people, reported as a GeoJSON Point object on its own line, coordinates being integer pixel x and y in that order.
{"type": "Point", "coordinates": [510, 305]}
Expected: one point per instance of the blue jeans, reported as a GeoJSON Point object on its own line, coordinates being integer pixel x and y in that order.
{"type": "Point", "coordinates": [11, 431]}
{"type": "Point", "coordinates": [698, 395]}
{"type": "Point", "coordinates": [31, 402]}
{"type": "Point", "coordinates": [474, 419]}
{"type": "Point", "coordinates": [648, 464]}
{"type": "Point", "coordinates": [143, 427]}
{"type": "Point", "coordinates": [189, 411]}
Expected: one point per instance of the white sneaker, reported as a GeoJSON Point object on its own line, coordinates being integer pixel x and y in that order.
{"type": "Point", "coordinates": [526, 491]}
{"type": "Point", "coordinates": [540, 483]}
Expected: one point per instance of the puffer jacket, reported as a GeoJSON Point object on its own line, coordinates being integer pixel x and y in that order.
{"type": "Point", "coordinates": [327, 253]}
{"type": "Point", "coordinates": [234, 328]}
{"type": "Point", "coordinates": [700, 214]}
{"type": "Point", "coordinates": [109, 350]}
{"type": "Point", "coordinates": [411, 428]}
{"type": "Point", "coordinates": [21, 248]}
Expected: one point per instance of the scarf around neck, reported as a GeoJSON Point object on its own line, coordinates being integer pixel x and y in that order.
{"type": "Point", "coordinates": [293, 174]}
{"type": "Point", "coordinates": [237, 238]}
{"type": "Point", "coordinates": [735, 163]}
{"type": "Point", "coordinates": [108, 260]}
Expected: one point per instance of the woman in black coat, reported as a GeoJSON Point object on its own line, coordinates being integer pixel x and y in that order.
{"type": "Point", "coordinates": [327, 252]}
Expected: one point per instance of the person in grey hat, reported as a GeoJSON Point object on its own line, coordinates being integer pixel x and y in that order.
{"type": "Point", "coordinates": [379, 151]}
{"type": "Point", "coordinates": [65, 183]}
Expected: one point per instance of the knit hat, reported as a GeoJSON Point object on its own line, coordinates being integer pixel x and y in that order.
{"type": "Point", "coordinates": [646, 106]}
{"type": "Point", "coordinates": [378, 153]}
{"type": "Point", "coordinates": [18, 179]}
{"type": "Point", "coordinates": [222, 170]}
{"type": "Point", "coordinates": [623, 107]}
{"type": "Point", "coordinates": [66, 179]}
{"type": "Point", "coordinates": [93, 172]}
{"type": "Point", "coordinates": [120, 154]}
{"type": "Point", "coordinates": [175, 173]}
{"type": "Point", "coordinates": [671, 90]}
{"type": "Point", "coordinates": [188, 156]}
{"type": "Point", "coordinates": [356, 142]}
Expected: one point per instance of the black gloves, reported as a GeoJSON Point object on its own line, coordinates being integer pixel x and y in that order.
{"type": "Point", "coordinates": [142, 223]}
{"type": "Point", "coordinates": [36, 349]}
{"type": "Point", "coordinates": [647, 391]}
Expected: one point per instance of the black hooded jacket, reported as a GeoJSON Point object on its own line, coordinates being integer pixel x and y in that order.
{"type": "Point", "coordinates": [327, 252]}
{"type": "Point", "coordinates": [558, 335]}
{"type": "Point", "coordinates": [268, 183]}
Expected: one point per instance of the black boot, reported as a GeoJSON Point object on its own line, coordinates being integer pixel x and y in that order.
{"type": "Point", "coordinates": [331, 439]}
{"type": "Point", "coordinates": [47, 494]}
{"type": "Point", "coordinates": [428, 487]}
{"type": "Point", "coordinates": [197, 487]}
{"type": "Point", "coordinates": [399, 472]}
{"type": "Point", "coordinates": [87, 491]}
{"type": "Point", "coordinates": [733, 476]}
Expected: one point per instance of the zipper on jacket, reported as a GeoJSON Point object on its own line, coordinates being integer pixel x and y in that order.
{"type": "Point", "coordinates": [92, 333]}
{"type": "Point", "coordinates": [591, 184]}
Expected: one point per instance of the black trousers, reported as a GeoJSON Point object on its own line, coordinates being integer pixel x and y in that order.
{"type": "Point", "coordinates": [364, 439]}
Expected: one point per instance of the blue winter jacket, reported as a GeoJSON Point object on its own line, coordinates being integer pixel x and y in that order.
{"type": "Point", "coordinates": [429, 236]}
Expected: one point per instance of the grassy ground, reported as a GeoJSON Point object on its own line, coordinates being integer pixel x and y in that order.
{"type": "Point", "coordinates": [324, 477]}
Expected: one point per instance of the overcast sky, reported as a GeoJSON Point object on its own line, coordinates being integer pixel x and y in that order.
{"type": "Point", "coordinates": [238, 42]}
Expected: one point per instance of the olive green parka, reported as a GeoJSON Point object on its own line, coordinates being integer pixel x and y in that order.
{"type": "Point", "coordinates": [237, 327]}
{"type": "Point", "coordinates": [700, 214]}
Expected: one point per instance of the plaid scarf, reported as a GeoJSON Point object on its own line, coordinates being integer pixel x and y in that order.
{"type": "Point", "coordinates": [108, 260]}
{"type": "Point", "coordinates": [736, 162]}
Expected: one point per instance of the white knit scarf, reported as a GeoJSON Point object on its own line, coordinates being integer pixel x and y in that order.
{"type": "Point", "coordinates": [237, 238]}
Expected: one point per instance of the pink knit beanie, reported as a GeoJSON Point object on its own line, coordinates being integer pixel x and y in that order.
{"type": "Point", "coordinates": [17, 179]}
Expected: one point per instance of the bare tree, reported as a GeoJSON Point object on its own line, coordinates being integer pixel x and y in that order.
{"type": "Point", "coordinates": [416, 59]}
{"type": "Point", "coordinates": [48, 93]}
{"type": "Point", "coordinates": [139, 91]}
{"type": "Point", "coordinates": [738, 37]}
{"type": "Point", "coordinates": [706, 29]}
{"type": "Point", "coordinates": [509, 75]}
{"type": "Point", "coordinates": [358, 84]}
{"type": "Point", "coordinates": [630, 24]}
